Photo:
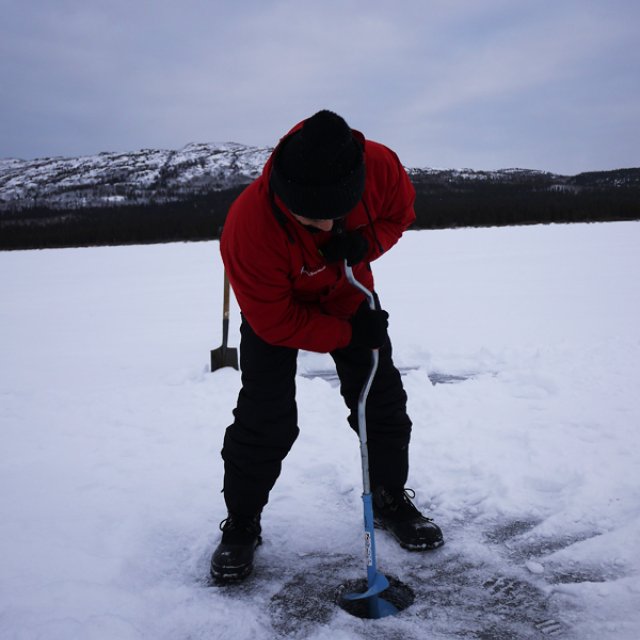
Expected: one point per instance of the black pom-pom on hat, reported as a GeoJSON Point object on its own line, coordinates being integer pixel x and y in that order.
{"type": "Point", "coordinates": [318, 171]}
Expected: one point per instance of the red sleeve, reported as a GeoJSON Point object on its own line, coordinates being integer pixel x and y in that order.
{"type": "Point", "coordinates": [258, 270]}
{"type": "Point", "coordinates": [391, 203]}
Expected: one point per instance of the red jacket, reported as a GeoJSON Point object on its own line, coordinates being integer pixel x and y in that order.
{"type": "Point", "coordinates": [287, 292]}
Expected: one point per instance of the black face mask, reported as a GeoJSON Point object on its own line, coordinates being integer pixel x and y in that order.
{"type": "Point", "coordinates": [338, 227]}
{"type": "Point", "coordinates": [311, 229]}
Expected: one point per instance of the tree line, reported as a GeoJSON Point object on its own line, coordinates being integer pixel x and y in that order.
{"type": "Point", "coordinates": [491, 204]}
{"type": "Point", "coordinates": [201, 217]}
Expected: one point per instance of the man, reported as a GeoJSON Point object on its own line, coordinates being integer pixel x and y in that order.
{"type": "Point", "coordinates": [325, 195]}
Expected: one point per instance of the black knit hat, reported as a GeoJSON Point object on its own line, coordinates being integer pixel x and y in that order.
{"type": "Point", "coordinates": [318, 171]}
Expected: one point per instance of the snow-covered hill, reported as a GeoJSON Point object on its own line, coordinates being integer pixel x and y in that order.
{"type": "Point", "coordinates": [129, 177]}
{"type": "Point", "coordinates": [163, 175]}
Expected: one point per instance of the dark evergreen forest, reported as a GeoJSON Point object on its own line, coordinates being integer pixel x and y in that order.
{"type": "Point", "coordinates": [441, 202]}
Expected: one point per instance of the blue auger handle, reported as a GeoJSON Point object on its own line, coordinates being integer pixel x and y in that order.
{"type": "Point", "coordinates": [376, 582]}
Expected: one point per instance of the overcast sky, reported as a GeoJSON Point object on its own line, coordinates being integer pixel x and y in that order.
{"type": "Point", "coordinates": [484, 84]}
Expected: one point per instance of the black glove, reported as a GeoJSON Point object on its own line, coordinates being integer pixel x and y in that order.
{"type": "Point", "coordinates": [351, 247]}
{"type": "Point", "coordinates": [369, 328]}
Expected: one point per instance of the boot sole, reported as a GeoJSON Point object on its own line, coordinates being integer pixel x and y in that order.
{"type": "Point", "coordinates": [427, 546]}
{"type": "Point", "coordinates": [230, 575]}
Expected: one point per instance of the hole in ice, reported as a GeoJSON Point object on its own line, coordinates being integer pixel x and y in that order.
{"type": "Point", "coordinates": [398, 594]}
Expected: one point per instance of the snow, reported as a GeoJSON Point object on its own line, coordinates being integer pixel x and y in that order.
{"type": "Point", "coordinates": [110, 472]}
{"type": "Point", "coordinates": [55, 181]}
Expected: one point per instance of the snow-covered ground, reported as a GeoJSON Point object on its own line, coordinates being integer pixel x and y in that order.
{"type": "Point", "coordinates": [111, 427]}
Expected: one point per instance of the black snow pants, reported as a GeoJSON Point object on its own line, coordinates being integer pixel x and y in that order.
{"type": "Point", "coordinates": [266, 419]}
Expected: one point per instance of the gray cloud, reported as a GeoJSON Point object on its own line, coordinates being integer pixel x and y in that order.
{"type": "Point", "coordinates": [539, 84]}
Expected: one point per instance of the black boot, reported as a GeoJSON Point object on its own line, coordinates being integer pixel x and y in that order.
{"type": "Point", "coordinates": [233, 558]}
{"type": "Point", "coordinates": [394, 511]}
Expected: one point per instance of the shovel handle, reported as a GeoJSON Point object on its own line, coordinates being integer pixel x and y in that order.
{"type": "Point", "coordinates": [225, 302]}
